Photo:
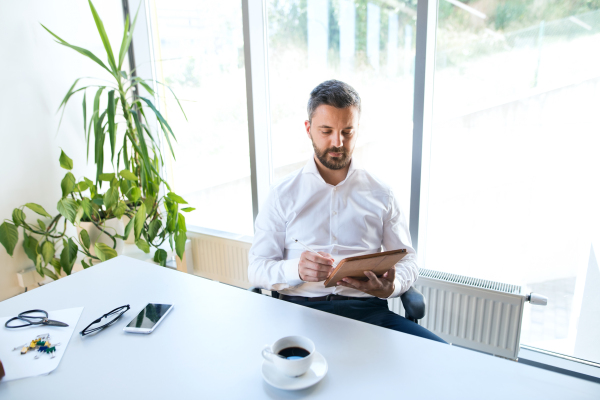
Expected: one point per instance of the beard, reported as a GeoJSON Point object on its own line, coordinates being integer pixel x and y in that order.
{"type": "Point", "coordinates": [331, 162]}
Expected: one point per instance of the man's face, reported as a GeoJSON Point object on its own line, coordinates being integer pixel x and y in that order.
{"type": "Point", "coordinates": [333, 132]}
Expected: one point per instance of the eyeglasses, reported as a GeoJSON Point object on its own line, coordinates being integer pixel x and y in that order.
{"type": "Point", "coordinates": [117, 312]}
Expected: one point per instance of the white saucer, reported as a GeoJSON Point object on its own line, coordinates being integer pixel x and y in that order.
{"type": "Point", "coordinates": [315, 373]}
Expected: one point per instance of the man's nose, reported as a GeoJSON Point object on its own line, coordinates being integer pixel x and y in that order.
{"type": "Point", "coordinates": [337, 140]}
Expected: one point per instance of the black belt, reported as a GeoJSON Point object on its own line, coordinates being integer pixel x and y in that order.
{"type": "Point", "coordinates": [329, 297]}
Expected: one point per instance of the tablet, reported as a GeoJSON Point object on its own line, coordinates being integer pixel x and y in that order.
{"type": "Point", "coordinates": [355, 267]}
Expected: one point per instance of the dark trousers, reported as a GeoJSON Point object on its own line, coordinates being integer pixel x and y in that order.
{"type": "Point", "coordinates": [372, 311]}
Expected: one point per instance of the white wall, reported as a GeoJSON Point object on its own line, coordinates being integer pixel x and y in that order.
{"type": "Point", "coordinates": [35, 74]}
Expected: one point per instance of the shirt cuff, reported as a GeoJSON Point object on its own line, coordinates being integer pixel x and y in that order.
{"type": "Point", "coordinates": [290, 269]}
{"type": "Point", "coordinates": [396, 292]}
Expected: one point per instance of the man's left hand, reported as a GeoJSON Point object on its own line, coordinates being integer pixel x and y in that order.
{"type": "Point", "coordinates": [379, 287]}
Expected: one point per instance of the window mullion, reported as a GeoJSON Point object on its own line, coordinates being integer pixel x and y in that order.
{"type": "Point", "coordinates": [257, 93]}
{"type": "Point", "coordinates": [422, 117]}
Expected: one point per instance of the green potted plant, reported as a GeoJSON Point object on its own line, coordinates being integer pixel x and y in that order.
{"type": "Point", "coordinates": [135, 187]}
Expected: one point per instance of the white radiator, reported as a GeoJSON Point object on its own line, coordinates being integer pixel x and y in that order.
{"type": "Point", "coordinates": [468, 312]}
{"type": "Point", "coordinates": [221, 259]}
{"type": "Point", "coordinates": [474, 313]}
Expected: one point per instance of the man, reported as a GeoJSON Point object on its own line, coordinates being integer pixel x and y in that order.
{"type": "Point", "coordinates": [338, 209]}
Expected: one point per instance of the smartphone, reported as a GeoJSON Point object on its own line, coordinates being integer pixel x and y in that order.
{"type": "Point", "coordinates": [148, 319]}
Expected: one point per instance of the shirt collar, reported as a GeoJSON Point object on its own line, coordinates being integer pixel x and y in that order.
{"type": "Point", "coordinates": [311, 168]}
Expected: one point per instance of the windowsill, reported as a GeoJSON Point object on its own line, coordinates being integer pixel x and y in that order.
{"type": "Point", "coordinates": [561, 365]}
{"type": "Point", "coordinates": [222, 234]}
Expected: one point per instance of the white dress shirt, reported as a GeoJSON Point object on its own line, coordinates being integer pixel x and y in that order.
{"type": "Point", "coordinates": [358, 216]}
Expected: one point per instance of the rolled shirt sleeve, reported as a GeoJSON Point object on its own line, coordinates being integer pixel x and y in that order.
{"type": "Point", "coordinates": [267, 269]}
{"type": "Point", "coordinates": [397, 236]}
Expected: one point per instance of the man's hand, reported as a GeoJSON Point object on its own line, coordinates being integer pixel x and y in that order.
{"type": "Point", "coordinates": [379, 287]}
{"type": "Point", "coordinates": [315, 268]}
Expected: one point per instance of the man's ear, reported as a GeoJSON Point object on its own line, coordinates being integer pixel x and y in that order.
{"type": "Point", "coordinates": [307, 126]}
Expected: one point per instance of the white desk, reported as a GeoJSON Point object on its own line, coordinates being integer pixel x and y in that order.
{"type": "Point", "coordinates": [209, 347]}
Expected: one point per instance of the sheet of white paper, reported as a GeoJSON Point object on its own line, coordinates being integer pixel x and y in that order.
{"type": "Point", "coordinates": [17, 365]}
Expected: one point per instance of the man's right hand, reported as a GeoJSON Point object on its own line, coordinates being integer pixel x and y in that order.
{"type": "Point", "coordinates": [313, 267]}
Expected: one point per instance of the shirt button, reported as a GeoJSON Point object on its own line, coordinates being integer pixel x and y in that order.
{"type": "Point", "coordinates": [334, 188]}
{"type": "Point", "coordinates": [334, 213]}
{"type": "Point", "coordinates": [334, 238]}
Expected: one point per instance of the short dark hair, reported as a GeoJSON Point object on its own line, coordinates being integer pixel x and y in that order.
{"type": "Point", "coordinates": [333, 93]}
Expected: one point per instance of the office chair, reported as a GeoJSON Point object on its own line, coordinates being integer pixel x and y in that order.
{"type": "Point", "coordinates": [412, 300]}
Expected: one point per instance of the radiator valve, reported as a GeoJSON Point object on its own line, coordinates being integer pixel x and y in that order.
{"type": "Point", "coordinates": [536, 299]}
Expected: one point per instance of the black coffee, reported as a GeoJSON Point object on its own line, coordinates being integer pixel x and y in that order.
{"type": "Point", "coordinates": [293, 353]}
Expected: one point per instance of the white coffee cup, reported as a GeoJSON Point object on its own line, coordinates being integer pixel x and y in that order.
{"type": "Point", "coordinates": [290, 367]}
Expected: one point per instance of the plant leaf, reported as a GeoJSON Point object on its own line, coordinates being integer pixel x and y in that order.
{"type": "Point", "coordinates": [55, 262]}
{"type": "Point", "coordinates": [188, 209]}
{"type": "Point", "coordinates": [85, 238]}
{"type": "Point", "coordinates": [91, 186]}
{"type": "Point", "coordinates": [98, 133]}
{"type": "Point", "coordinates": [127, 174]}
{"type": "Point", "coordinates": [181, 223]}
{"type": "Point", "coordinates": [68, 256]}
{"type": "Point", "coordinates": [70, 93]}
{"type": "Point", "coordinates": [88, 210]}
{"type": "Point", "coordinates": [68, 209]}
{"type": "Point", "coordinates": [49, 273]}
{"type": "Point", "coordinates": [153, 229]}
{"type": "Point", "coordinates": [38, 265]}
{"type": "Point", "coordinates": [105, 41]}
{"type": "Point", "coordinates": [149, 202]}
{"type": "Point", "coordinates": [106, 177]}
{"type": "Point", "coordinates": [112, 128]}
{"type": "Point", "coordinates": [41, 224]}
{"type": "Point", "coordinates": [82, 186]}
{"type": "Point", "coordinates": [65, 161]}
{"type": "Point", "coordinates": [171, 216]}
{"type": "Point", "coordinates": [111, 197]}
{"type": "Point", "coordinates": [63, 103]}
{"type": "Point", "coordinates": [134, 194]}
{"type": "Point", "coordinates": [30, 245]}
{"type": "Point", "coordinates": [37, 209]}
{"type": "Point", "coordinates": [180, 240]}
{"type": "Point", "coordinates": [85, 265]}
{"type": "Point", "coordinates": [141, 147]}
{"type": "Point", "coordinates": [174, 95]}
{"type": "Point", "coordinates": [127, 36]}
{"type": "Point", "coordinates": [9, 236]}
{"type": "Point", "coordinates": [68, 184]}
{"type": "Point", "coordinates": [176, 198]}
{"type": "Point", "coordinates": [143, 245]}
{"type": "Point", "coordinates": [128, 228]}
{"type": "Point", "coordinates": [140, 218]}
{"type": "Point", "coordinates": [78, 215]}
{"type": "Point", "coordinates": [84, 106]}
{"type": "Point", "coordinates": [144, 85]}
{"type": "Point", "coordinates": [18, 217]}
{"type": "Point", "coordinates": [104, 252]}
{"type": "Point", "coordinates": [160, 257]}
{"type": "Point", "coordinates": [163, 124]}
{"type": "Point", "coordinates": [80, 50]}
{"type": "Point", "coordinates": [47, 251]}
{"type": "Point", "coordinates": [120, 209]}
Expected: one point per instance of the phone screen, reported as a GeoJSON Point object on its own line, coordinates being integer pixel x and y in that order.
{"type": "Point", "coordinates": [149, 316]}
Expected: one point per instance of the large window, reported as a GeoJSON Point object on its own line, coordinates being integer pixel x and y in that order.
{"type": "Point", "coordinates": [200, 53]}
{"type": "Point", "coordinates": [514, 191]}
{"type": "Point", "coordinates": [367, 44]}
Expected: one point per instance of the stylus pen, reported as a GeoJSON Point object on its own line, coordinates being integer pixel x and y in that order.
{"type": "Point", "coordinates": [309, 249]}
